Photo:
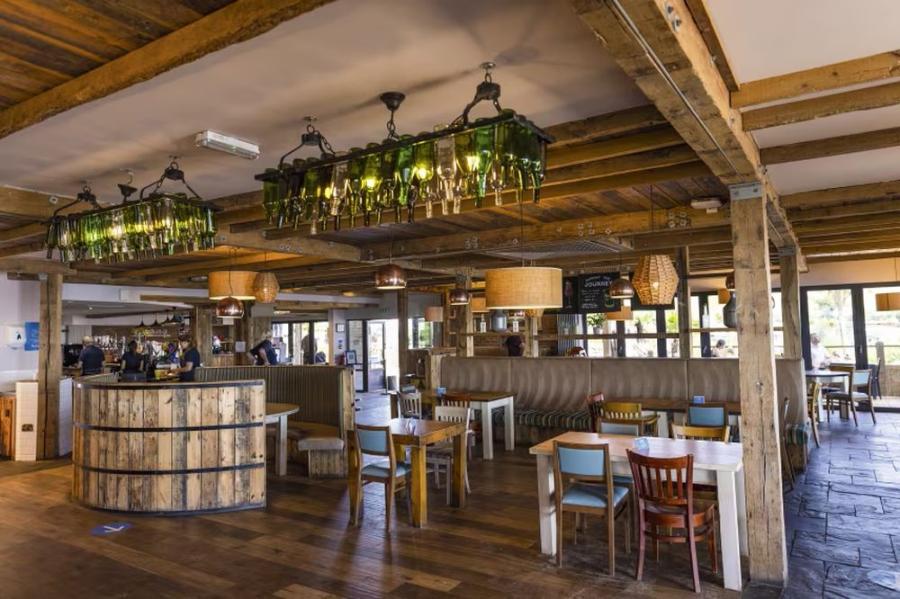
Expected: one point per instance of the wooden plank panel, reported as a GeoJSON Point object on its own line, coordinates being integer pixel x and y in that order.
{"type": "Point", "coordinates": [832, 146]}
{"type": "Point", "coordinates": [194, 450]}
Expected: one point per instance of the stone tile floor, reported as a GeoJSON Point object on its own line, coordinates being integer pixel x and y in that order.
{"type": "Point", "coordinates": [843, 515]}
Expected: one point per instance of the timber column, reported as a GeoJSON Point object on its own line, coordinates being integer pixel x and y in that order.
{"type": "Point", "coordinates": [760, 429]}
{"type": "Point", "coordinates": [403, 335]}
{"type": "Point", "coordinates": [683, 265]}
{"type": "Point", "coordinates": [465, 324]}
{"type": "Point", "coordinates": [49, 365]}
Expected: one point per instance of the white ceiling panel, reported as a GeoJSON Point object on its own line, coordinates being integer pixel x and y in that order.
{"type": "Point", "coordinates": [836, 171]}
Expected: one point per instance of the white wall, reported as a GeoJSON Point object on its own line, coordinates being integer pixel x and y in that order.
{"type": "Point", "coordinates": [882, 270]}
{"type": "Point", "coordinates": [20, 302]}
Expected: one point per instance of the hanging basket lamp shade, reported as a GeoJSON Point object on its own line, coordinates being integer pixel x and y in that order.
{"type": "Point", "coordinates": [655, 279]}
{"type": "Point", "coordinates": [459, 296]}
{"type": "Point", "coordinates": [724, 295]}
{"type": "Point", "coordinates": [230, 307]}
{"type": "Point", "coordinates": [434, 314]}
{"type": "Point", "coordinates": [266, 287]}
{"type": "Point", "coordinates": [390, 276]}
{"type": "Point", "coordinates": [621, 288]}
{"type": "Point", "coordinates": [231, 283]}
{"type": "Point", "coordinates": [886, 302]}
{"type": "Point", "coordinates": [523, 288]}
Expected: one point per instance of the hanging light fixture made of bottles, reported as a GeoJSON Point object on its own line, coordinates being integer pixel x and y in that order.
{"type": "Point", "coordinates": [149, 227]}
{"type": "Point", "coordinates": [467, 159]}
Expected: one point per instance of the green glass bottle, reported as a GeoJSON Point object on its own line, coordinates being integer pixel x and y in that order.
{"type": "Point", "coordinates": [388, 196]}
{"type": "Point", "coordinates": [371, 184]}
{"type": "Point", "coordinates": [354, 185]}
{"type": "Point", "coordinates": [484, 150]}
{"type": "Point", "coordinates": [403, 174]}
{"type": "Point", "coordinates": [423, 154]}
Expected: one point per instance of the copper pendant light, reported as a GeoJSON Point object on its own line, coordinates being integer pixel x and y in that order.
{"type": "Point", "coordinates": [390, 276]}
{"type": "Point", "coordinates": [459, 296]}
{"type": "Point", "coordinates": [621, 288]}
{"type": "Point", "coordinates": [230, 307]}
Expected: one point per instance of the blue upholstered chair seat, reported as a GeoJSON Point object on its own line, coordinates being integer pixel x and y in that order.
{"type": "Point", "coordinates": [584, 495]}
{"type": "Point", "coordinates": [382, 469]}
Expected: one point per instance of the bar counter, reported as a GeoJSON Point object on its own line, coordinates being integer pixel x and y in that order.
{"type": "Point", "coordinates": [173, 448]}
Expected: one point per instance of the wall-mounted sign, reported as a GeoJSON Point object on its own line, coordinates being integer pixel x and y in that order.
{"type": "Point", "coordinates": [15, 336]}
{"type": "Point", "coordinates": [32, 336]}
{"type": "Point", "coordinates": [570, 296]}
{"type": "Point", "coordinates": [593, 293]}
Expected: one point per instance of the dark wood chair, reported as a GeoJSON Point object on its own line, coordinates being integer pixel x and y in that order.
{"type": "Point", "coordinates": [588, 469]}
{"type": "Point", "coordinates": [394, 475]}
{"type": "Point", "coordinates": [860, 389]}
{"type": "Point", "coordinates": [595, 410]}
{"type": "Point", "coordinates": [813, 391]}
{"type": "Point", "coordinates": [786, 462]}
{"type": "Point", "coordinates": [668, 511]}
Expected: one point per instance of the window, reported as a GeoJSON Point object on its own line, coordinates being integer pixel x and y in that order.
{"type": "Point", "coordinates": [420, 333]}
{"type": "Point", "coordinates": [323, 339]}
{"type": "Point", "coordinates": [830, 317]}
{"type": "Point", "coordinates": [644, 323]}
{"type": "Point", "coordinates": [882, 328]}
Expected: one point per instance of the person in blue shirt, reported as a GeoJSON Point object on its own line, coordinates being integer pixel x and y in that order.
{"type": "Point", "coordinates": [190, 361]}
{"type": "Point", "coordinates": [264, 352]}
{"type": "Point", "coordinates": [91, 357]}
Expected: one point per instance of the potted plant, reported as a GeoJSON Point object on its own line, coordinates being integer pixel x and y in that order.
{"type": "Point", "coordinates": [596, 322]}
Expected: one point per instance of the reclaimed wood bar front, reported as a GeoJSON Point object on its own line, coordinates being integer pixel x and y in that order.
{"type": "Point", "coordinates": [169, 448]}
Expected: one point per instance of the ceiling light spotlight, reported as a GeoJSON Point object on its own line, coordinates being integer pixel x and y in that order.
{"type": "Point", "coordinates": [229, 144]}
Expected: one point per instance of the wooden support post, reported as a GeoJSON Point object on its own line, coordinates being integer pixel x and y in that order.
{"type": "Point", "coordinates": [790, 305]}
{"type": "Point", "coordinates": [445, 325]}
{"type": "Point", "coordinates": [465, 326]}
{"type": "Point", "coordinates": [683, 266]}
{"type": "Point", "coordinates": [760, 428]}
{"type": "Point", "coordinates": [201, 321]}
{"type": "Point", "coordinates": [403, 334]}
{"type": "Point", "coordinates": [49, 365]}
{"type": "Point", "coordinates": [532, 328]}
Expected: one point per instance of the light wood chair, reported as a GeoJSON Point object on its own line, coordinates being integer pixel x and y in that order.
{"type": "Point", "coordinates": [786, 462]}
{"type": "Point", "coordinates": [700, 433]}
{"type": "Point", "coordinates": [668, 512]}
{"type": "Point", "coordinates": [859, 379]}
{"type": "Point", "coordinates": [813, 392]}
{"type": "Point", "coordinates": [393, 474]}
{"type": "Point", "coordinates": [440, 455]}
{"type": "Point", "coordinates": [625, 418]}
{"type": "Point", "coordinates": [590, 490]}
{"type": "Point", "coordinates": [409, 404]}
{"type": "Point", "coordinates": [464, 400]}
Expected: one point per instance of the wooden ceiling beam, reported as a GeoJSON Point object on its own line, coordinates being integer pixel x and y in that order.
{"type": "Point", "coordinates": [842, 211]}
{"type": "Point", "coordinates": [672, 64]}
{"type": "Point", "coordinates": [22, 248]}
{"type": "Point", "coordinates": [656, 139]}
{"type": "Point", "coordinates": [606, 125]}
{"type": "Point", "coordinates": [236, 22]}
{"type": "Point", "coordinates": [34, 266]}
{"type": "Point", "coordinates": [832, 146]}
{"type": "Point", "coordinates": [814, 108]}
{"type": "Point", "coordinates": [840, 195]}
{"type": "Point", "coordinates": [269, 260]}
{"type": "Point", "coordinates": [833, 76]}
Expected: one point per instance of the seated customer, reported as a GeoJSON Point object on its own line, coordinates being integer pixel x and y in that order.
{"type": "Point", "coordinates": [576, 352]}
{"type": "Point", "coordinates": [190, 361]}
{"type": "Point", "coordinates": [133, 364]}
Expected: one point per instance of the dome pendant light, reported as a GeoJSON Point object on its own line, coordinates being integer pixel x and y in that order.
{"type": "Point", "coordinates": [390, 276]}
{"type": "Point", "coordinates": [459, 295]}
{"type": "Point", "coordinates": [889, 300]}
{"type": "Point", "coordinates": [229, 306]}
{"type": "Point", "coordinates": [621, 288]}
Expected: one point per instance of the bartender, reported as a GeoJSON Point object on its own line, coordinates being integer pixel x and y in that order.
{"type": "Point", "coordinates": [133, 364]}
{"type": "Point", "coordinates": [91, 357]}
{"type": "Point", "coordinates": [264, 352]}
{"type": "Point", "coordinates": [190, 361]}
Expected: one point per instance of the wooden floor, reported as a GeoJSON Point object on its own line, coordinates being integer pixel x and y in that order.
{"type": "Point", "coordinates": [301, 546]}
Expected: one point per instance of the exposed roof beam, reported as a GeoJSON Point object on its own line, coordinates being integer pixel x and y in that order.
{"type": "Point", "coordinates": [654, 139]}
{"type": "Point", "coordinates": [814, 108]}
{"type": "Point", "coordinates": [605, 125]}
{"type": "Point", "coordinates": [34, 266]}
{"type": "Point", "coordinates": [711, 37]}
{"type": "Point", "coordinates": [22, 248]}
{"type": "Point", "coordinates": [833, 76]}
{"type": "Point", "coordinates": [841, 211]}
{"type": "Point", "coordinates": [840, 195]}
{"type": "Point", "coordinates": [236, 22]}
{"type": "Point", "coordinates": [832, 146]}
{"type": "Point", "coordinates": [29, 204]}
{"type": "Point", "coordinates": [664, 52]}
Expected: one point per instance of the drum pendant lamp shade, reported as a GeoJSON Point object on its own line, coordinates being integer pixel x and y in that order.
{"type": "Point", "coordinates": [523, 288]}
{"type": "Point", "coordinates": [434, 314]}
{"type": "Point", "coordinates": [230, 307]}
{"type": "Point", "coordinates": [479, 305]}
{"type": "Point", "coordinates": [232, 283]}
{"type": "Point", "coordinates": [655, 279]}
{"type": "Point", "coordinates": [390, 276]}
{"type": "Point", "coordinates": [885, 302]}
{"type": "Point", "coordinates": [266, 287]}
{"type": "Point", "coordinates": [724, 296]}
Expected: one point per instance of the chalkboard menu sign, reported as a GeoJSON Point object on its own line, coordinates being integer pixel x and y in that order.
{"type": "Point", "coordinates": [570, 296]}
{"type": "Point", "coordinates": [593, 293]}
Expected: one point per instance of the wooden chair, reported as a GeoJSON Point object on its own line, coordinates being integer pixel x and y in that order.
{"type": "Point", "coordinates": [700, 433]}
{"type": "Point", "coordinates": [813, 391]}
{"type": "Point", "coordinates": [668, 511]}
{"type": "Point", "coordinates": [624, 418]}
{"type": "Point", "coordinates": [876, 378]}
{"type": "Point", "coordinates": [440, 455]}
{"type": "Point", "coordinates": [707, 414]}
{"type": "Point", "coordinates": [588, 469]}
{"type": "Point", "coordinates": [859, 379]}
{"type": "Point", "coordinates": [595, 409]}
{"type": "Point", "coordinates": [785, 454]}
{"type": "Point", "coordinates": [409, 404]}
{"type": "Point", "coordinates": [393, 474]}
{"type": "Point", "coordinates": [464, 400]}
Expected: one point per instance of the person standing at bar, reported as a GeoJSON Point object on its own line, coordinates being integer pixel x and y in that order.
{"type": "Point", "coordinates": [133, 365]}
{"type": "Point", "coordinates": [91, 357]}
{"type": "Point", "coordinates": [264, 352]}
{"type": "Point", "coordinates": [190, 361]}
{"type": "Point", "coordinates": [515, 346]}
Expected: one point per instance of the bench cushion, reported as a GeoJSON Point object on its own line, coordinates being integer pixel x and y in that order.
{"type": "Point", "coordinates": [312, 435]}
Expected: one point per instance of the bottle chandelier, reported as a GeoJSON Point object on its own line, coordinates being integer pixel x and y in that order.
{"type": "Point", "coordinates": [465, 159]}
{"type": "Point", "coordinates": [149, 227]}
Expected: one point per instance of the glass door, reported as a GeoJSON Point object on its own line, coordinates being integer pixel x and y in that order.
{"type": "Point", "coordinates": [832, 334]}
{"type": "Point", "coordinates": [375, 364]}
{"type": "Point", "coordinates": [356, 352]}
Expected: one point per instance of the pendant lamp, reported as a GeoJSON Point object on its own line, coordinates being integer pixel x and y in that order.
{"type": "Point", "coordinates": [434, 314]}
{"type": "Point", "coordinates": [889, 300]}
{"type": "Point", "coordinates": [230, 307]}
{"type": "Point", "coordinates": [655, 279]}
{"type": "Point", "coordinates": [459, 296]}
{"type": "Point", "coordinates": [624, 313]}
{"type": "Point", "coordinates": [523, 288]}
{"type": "Point", "coordinates": [621, 288]}
{"type": "Point", "coordinates": [231, 283]}
{"type": "Point", "coordinates": [390, 276]}
{"type": "Point", "coordinates": [479, 305]}
{"type": "Point", "coordinates": [729, 313]}
{"type": "Point", "coordinates": [266, 287]}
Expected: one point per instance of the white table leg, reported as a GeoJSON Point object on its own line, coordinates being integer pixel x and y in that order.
{"type": "Point", "coordinates": [742, 511]}
{"type": "Point", "coordinates": [281, 445]}
{"type": "Point", "coordinates": [728, 529]}
{"type": "Point", "coordinates": [510, 422]}
{"type": "Point", "coordinates": [546, 505]}
{"type": "Point", "coordinates": [487, 431]}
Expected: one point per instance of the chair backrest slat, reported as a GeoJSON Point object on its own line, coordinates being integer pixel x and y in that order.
{"type": "Point", "coordinates": [700, 433]}
{"type": "Point", "coordinates": [663, 481]}
{"type": "Point", "coordinates": [452, 414]}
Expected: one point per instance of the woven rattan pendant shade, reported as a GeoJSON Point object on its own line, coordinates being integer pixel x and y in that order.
{"type": "Point", "coordinates": [266, 287]}
{"type": "Point", "coordinates": [655, 279]}
{"type": "Point", "coordinates": [232, 283]}
{"type": "Point", "coordinates": [523, 288]}
{"type": "Point", "coordinates": [479, 305]}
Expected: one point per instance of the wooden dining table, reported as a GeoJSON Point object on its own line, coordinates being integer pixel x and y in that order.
{"type": "Point", "coordinates": [715, 463]}
{"type": "Point", "coordinates": [417, 435]}
{"type": "Point", "coordinates": [484, 401]}
{"type": "Point", "coordinates": [831, 375]}
{"type": "Point", "coordinates": [277, 414]}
